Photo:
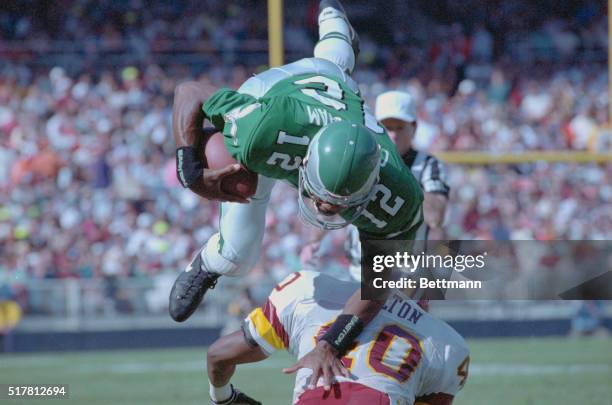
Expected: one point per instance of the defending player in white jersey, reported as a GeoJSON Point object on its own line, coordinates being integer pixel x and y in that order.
{"type": "Point", "coordinates": [403, 356]}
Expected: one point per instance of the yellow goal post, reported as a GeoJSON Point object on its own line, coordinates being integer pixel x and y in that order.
{"type": "Point", "coordinates": [490, 158]}
{"type": "Point", "coordinates": [275, 32]}
{"type": "Point", "coordinates": [276, 58]}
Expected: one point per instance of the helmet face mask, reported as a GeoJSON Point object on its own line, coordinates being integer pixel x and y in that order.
{"type": "Point", "coordinates": [312, 189]}
{"type": "Point", "coordinates": [309, 211]}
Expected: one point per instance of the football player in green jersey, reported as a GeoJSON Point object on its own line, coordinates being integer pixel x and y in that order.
{"type": "Point", "coordinates": [304, 123]}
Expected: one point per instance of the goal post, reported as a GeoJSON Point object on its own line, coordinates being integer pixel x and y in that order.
{"type": "Point", "coordinates": [275, 32]}
{"type": "Point", "coordinates": [610, 61]}
{"type": "Point", "coordinates": [489, 158]}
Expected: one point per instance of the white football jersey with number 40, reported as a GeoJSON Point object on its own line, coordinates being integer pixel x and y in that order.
{"type": "Point", "coordinates": [404, 351]}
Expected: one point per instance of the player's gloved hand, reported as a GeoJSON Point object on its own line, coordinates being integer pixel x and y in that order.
{"type": "Point", "coordinates": [238, 398]}
{"type": "Point", "coordinates": [212, 179]}
{"type": "Point", "coordinates": [322, 360]}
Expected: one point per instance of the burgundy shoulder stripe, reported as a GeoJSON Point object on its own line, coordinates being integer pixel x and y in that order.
{"type": "Point", "coordinates": [269, 311]}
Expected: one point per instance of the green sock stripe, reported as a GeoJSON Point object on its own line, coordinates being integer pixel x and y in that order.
{"type": "Point", "coordinates": [221, 241]}
{"type": "Point", "coordinates": [336, 35]}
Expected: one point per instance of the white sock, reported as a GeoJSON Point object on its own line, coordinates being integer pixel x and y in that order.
{"type": "Point", "coordinates": [334, 40]}
{"type": "Point", "coordinates": [332, 21]}
{"type": "Point", "coordinates": [219, 394]}
{"type": "Point", "coordinates": [338, 51]}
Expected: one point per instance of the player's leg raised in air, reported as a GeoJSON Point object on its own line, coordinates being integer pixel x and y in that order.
{"type": "Point", "coordinates": [338, 41]}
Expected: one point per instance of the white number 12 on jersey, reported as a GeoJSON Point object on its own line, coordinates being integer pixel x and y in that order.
{"type": "Point", "coordinates": [332, 96]}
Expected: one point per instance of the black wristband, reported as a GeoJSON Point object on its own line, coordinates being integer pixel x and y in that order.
{"type": "Point", "coordinates": [189, 168]}
{"type": "Point", "coordinates": [343, 332]}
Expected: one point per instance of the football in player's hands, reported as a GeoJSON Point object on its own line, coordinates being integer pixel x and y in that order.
{"type": "Point", "coordinates": [243, 182]}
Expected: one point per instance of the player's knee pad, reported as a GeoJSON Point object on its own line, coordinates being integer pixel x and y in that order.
{"type": "Point", "coordinates": [219, 260]}
{"type": "Point", "coordinates": [336, 48]}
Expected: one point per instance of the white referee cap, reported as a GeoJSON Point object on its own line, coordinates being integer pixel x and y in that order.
{"type": "Point", "coordinates": [395, 104]}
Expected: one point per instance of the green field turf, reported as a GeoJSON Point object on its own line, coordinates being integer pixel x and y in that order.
{"type": "Point", "coordinates": [503, 372]}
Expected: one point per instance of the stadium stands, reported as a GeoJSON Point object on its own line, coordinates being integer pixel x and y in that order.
{"type": "Point", "coordinates": [86, 155]}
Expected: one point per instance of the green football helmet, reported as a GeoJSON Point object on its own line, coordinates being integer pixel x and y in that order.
{"type": "Point", "coordinates": [341, 168]}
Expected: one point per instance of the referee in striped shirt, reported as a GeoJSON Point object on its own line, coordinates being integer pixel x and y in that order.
{"type": "Point", "coordinates": [396, 111]}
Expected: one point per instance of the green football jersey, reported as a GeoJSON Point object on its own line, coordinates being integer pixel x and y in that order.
{"type": "Point", "coordinates": [270, 136]}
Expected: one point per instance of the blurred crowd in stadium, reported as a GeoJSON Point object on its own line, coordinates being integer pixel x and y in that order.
{"type": "Point", "coordinates": [87, 176]}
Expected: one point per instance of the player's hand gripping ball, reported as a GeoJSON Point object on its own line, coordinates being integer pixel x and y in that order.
{"type": "Point", "coordinates": [243, 182]}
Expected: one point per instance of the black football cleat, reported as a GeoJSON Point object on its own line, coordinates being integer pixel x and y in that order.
{"type": "Point", "coordinates": [338, 11]}
{"type": "Point", "coordinates": [243, 398]}
{"type": "Point", "coordinates": [239, 398]}
{"type": "Point", "coordinates": [189, 289]}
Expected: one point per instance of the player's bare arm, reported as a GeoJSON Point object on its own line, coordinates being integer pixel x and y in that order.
{"type": "Point", "coordinates": [227, 352]}
{"type": "Point", "coordinates": [357, 313]}
{"type": "Point", "coordinates": [324, 362]}
{"type": "Point", "coordinates": [434, 209]}
{"type": "Point", "coordinates": [324, 358]}
{"type": "Point", "coordinates": [187, 129]}
{"type": "Point", "coordinates": [366, 310]}
{"type": "Point", "coordinates": [221, 360]}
